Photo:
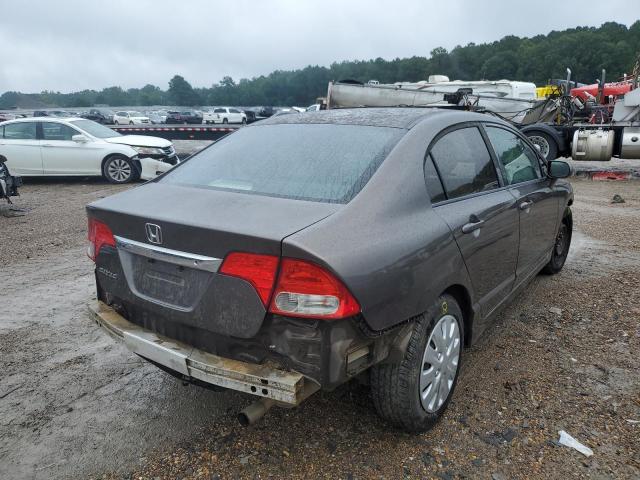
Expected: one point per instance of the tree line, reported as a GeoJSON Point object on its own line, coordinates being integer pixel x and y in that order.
{"type": "Point", "coordinates": [586, 50]}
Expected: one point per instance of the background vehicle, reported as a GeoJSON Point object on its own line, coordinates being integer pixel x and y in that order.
{"type": "Point", "coordinates": [185, 116]}
{"type": "Point", "coordinates": [130, 118]}
{"type": "Point", "coordinates": [8, 183]}
{"type": "Point", "coordinates": [99, 115]}
{"type": "Point", "coordinates": [301, 279]}
{"type": "Point", "coordinates": [224, 115]}
{"type": "Point", "coordinates": [251, 116]}
{"type": "Point", "coordinates": [155, 117]}
{"type": "Point", "coordinates": [77, 146]}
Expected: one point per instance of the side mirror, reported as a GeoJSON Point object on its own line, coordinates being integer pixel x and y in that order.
{"type": "Point", "coordinates": [559, 169]}
{"type": "Point", "coordinates": [80, 138]}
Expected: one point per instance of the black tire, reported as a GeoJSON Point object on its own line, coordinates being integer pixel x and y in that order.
{"type": "Point", "coordinates": [561, 245]}
{"type": "Point", "coordinates": [546, 143]}
{"type": "Point", "coordinates": [244, 121]}
{"type": "Point", "coordinates": [119, 169]}
{"type": "Point", "coordinates": [116, 123]}
{"type": "Point", "coordinates": [395, 388]}
{"type": "Point", "coordinates": [225, 120]}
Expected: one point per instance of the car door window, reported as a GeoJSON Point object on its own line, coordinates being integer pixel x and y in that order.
{"type": "Point", "coordinates": [519, 162]}
{"type": "Point", "coordinates": [20, 131]}
{"type": "Point", "coordinates": [463, 162]}
{"type": "Point", "coordinates": [219, 110]}
{"type": "Point", "coordinates": [57, 131]}
{"type": "Point", "coordinates": [434, 185]}
{"type": "Point", "coordinates": [233, 110]}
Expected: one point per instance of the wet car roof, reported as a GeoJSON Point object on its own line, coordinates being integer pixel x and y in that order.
{"type": "Point", "coordinates": [397, 117]}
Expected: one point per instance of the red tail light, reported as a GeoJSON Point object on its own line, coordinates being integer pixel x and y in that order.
{"type": "Point", "coordinates": [99, 234]}
{"type": "Point", "coordinates": [307, 290]}
{"type": "Point", "coordinates": [258, 270]}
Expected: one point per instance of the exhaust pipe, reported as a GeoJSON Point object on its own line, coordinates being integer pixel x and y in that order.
{"type": "Point", "coordinates": [255, 411]}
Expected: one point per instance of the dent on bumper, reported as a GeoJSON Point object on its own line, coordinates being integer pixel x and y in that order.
{"type": "Point", "coordinates": [151, 168]}
{"type": "Point", "coordinates": [262, 380]}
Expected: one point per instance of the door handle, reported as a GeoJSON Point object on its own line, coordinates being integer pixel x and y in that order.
{"type": "Point", "coordinates": [472, 226]}
{"type": "Point", "coordinates": [525, 205]}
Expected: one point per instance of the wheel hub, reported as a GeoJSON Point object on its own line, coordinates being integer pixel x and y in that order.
{"type": "Point", "coordinates": [542, 143]}
{"type": "Point", "coordinates": [440, 363]}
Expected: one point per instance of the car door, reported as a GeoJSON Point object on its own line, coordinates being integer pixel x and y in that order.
{"type": "Point", "coordinates": [538, 205]}
{"type": "Point", "coordinates": [235, 116]}
{"type": "Point", "coordinates": [482, 215]}
{"type": "Point", "coordinates": [61, 155]}
{"type": "Point", "coordinates": [19, 144]}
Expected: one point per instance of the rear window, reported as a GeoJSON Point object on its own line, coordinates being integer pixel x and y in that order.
{"type": "Point", "coordinates": [323, 163]}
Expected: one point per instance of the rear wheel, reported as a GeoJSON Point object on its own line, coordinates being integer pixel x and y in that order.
{"type": "Point", "coordinates": [116, 122]}
{"type": "Point", "coordinates": [414, 393]}
{"type": "Point", "coordinates": [547, 145]}
{"type": "Point", "coordinates": [119, 169]}
{"type": "Point", "coordinates": [561, 246]}
{"type": "Point", "coordinates": [225, 120]}
{"type": "Point", "coordinates": [130, 123]}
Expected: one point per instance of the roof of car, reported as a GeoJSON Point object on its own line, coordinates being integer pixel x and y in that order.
{"type": "Point", "coordinates": [398, 117]}
{"type": "Point", "coordinates": [44, 119]}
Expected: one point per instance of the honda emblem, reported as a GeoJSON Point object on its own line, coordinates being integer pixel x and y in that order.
{"type": "Point", "coordinates": [154, 233]}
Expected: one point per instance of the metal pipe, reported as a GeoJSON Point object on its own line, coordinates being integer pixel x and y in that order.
{"type": "Point", "coordinates": [255, 411]}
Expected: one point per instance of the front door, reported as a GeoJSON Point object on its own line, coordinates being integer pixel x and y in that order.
{"type": "Point", "coordinates": [482, 216]}
{"type": "Point", "coordinates": [62, 156]}
{"type": "Point", "coordinates": [20, 146]}
{"type": "Point", "coordinates": [537, 204]}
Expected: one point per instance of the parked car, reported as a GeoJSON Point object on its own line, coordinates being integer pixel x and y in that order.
{"type": "Point", "coordinates": [130, 118]}
{"type": "Point", "coordinates": [266, 111]}
{"type": "Point", "coordinates": [100, 115]}
{"type": "Point", "coordinates": [370, 242]}
{"type": "Point", "coordinates": [155, 117]}
{"type": "Point", "coordinates": [251, 116]}
{"type": "Point", "coordinates": [224, 115]}
{"type": "Point", "coordinates": [186, 116]}
{"type": "Point", "coordinates": [77, 146]}
{"type": "Point", "coordinates": [313, 108]}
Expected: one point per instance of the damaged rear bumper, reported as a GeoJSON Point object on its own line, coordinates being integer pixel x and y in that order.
{"type": "Point", "coordinates": [262, 380]}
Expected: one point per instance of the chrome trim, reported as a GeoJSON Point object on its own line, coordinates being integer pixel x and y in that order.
{"type": "Point", "coordinates": [177, 257]}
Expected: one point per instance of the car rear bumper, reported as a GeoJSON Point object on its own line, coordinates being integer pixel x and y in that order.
{"type": "Point", "coordinates": [261, 380]}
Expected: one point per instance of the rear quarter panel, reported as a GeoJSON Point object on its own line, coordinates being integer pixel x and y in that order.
{"type": "Point", "coordinates": [388, 246]}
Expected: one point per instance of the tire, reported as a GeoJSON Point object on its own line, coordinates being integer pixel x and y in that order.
{"type": "Point", "coordinates": [225, 120]}
{"type": "Point", "coordinates": [244, 121]}
{"type": "Point", "coordinates": [116, 123]}
{"type": "Point", "coordinates": [119, 169]}
{"type": "Point", "coordinates": [130, 123]}
{"type": "Point", "coordinates": [548, 146]}
{"type": "Point", "coordinates": [396, 388]}
{"type": "Point", "coordinates": [561, 246]}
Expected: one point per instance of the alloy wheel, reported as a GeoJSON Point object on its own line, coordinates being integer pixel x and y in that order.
{"type": "Point", "coordinates": [119, 170]}
{"type": "Point", "coordinates": [440, 363]}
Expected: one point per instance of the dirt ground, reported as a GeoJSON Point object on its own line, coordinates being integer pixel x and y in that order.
{"type": "Point", "coordinates": [564, 356]}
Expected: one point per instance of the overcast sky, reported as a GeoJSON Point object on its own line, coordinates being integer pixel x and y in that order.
{"type": "Point", "coordinates": [70, 45]}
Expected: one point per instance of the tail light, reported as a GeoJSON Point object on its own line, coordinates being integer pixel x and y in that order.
{"type": "Point", "coordinates": [258, 270]}
{"type": "Point", "coordinates": [304, 289]}
{"type": "Point", "coordinates": [99, 234]}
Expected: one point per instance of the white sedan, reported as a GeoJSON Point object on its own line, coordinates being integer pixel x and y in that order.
{"type": "Point", "coordinates": [130, 118]}
{"type": "Point", "coordinates": [34, 147]}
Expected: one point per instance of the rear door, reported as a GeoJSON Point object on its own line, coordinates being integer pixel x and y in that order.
{"type": "Point", "coordinates": [482, 216]}
{"type": "Point", "coordinates": [537, 204]}
{"type": "Point", "coordinates": [19, 144]}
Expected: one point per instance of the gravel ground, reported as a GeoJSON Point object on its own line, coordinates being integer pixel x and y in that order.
{"type": "Point", "coordinates": [563, 356]}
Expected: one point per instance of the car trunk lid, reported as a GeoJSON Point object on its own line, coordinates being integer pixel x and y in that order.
{"type": "Point", "coordinates": [172, 239]}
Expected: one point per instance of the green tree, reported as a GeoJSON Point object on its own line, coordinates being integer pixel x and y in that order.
{"type": "Point", "coordinates": [181, 92]}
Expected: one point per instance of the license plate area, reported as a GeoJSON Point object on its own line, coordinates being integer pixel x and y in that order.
{"type": "Point", "coordinates": [166, 277]}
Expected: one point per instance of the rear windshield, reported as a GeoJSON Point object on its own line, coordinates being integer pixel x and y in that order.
{"type": "Point", "coordinates": [317, 162]}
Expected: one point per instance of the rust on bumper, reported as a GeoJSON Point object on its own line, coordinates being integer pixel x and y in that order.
{"type": "Point", "coordinates": [264, 381]}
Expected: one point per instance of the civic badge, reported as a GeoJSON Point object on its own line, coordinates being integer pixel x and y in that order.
{"type": "Point", "coordinates": [154, 233]}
